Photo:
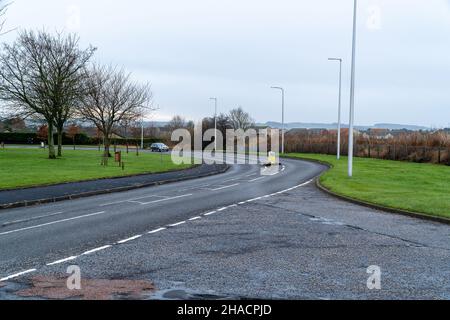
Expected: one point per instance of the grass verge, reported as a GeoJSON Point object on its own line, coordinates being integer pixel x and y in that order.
{"type": "Point", "coordinates": [21, 168]}
{"type": "Point", "coordinates": [421, 188]}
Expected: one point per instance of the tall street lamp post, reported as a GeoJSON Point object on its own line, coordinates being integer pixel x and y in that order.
{"type": "Point", "coordinates": [339, 107]}
{"type": "Point", "coordinates": [282, 117]}
{"type": "Point", "coordinates": [215, 123]}
{"type": "Point", "coordinates": [352, 94]}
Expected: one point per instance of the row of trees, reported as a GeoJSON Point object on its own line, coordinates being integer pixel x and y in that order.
{"type": "Point", "coordinates": [235, 119]}
{"type": "Point", "coordinates": [50, 78]}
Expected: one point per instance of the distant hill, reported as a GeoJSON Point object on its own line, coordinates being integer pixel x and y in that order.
{"type": "Point", "coordinates": [301, 125]}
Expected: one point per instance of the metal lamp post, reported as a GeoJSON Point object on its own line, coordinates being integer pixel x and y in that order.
{"type": "Point", "coordinates": [282, 116]}
{"type": "Point", "coordinates": [215, 123]}
{"type": "Point", "coordinates": [339, 107]}
{"type": "Point", "coordinates": [352, 94]}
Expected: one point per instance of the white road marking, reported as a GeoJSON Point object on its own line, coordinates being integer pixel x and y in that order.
{"type": "Point", "coordinates": [30, 219]}
{"type": "Point", "coordinates": [163, 200]}
{"type": "Point", "coordinates": [177, 224]}
{"type": "Point", "coordinates": [17, 275]}
{"type": "Point", "coordinates": [62, 261]}
{"type": "Point", "coordinates": [96, 250]}
{"type": "Point", "coordinates": [156, 230]}
{"type": "Point", "coordinates": [135, 237]}
{"type": "Point", "coordinates": [260, 178]}
{"type": "Point", "coordinates": [234, 179]}
{"type": "Point", "coordinates": [129, 239]}
{"type": "Point", "coordinates": [225, 187]}
{"type": "Point", "coordinates": [129, 200]}
{"type": "Point", "coordinates": [51, 223]}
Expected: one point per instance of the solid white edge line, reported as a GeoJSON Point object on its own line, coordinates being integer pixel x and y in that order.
{"type": "Point", "coordinates": [17, 275]}
{"type": "Point", "coordinates": [96, 250]}
{"type": "Point", "coordinates": [62, 261]}
{"type": "Point", "coordinates": [129, 239]}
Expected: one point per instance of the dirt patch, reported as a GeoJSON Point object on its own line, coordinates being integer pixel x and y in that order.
{"type": "Point", "coordinates": [91, 289]}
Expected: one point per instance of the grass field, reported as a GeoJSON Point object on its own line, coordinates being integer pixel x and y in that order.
{"type": "Point", "coordinates": [31, 167]}
{"type": "Point", "coordinates": [423, 188]}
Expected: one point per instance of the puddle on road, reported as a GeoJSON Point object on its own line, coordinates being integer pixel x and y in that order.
{"type": "Point", "coordinates": [180, 292]}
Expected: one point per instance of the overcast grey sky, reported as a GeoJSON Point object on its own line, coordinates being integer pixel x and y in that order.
{"type": "Point", "coordinates": [190, 50]}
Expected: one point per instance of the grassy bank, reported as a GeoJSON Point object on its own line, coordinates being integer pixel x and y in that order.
{"type": "Point", "coordinates": [423, 188]}
{"type": "Point", "coordinates": [31, 167]}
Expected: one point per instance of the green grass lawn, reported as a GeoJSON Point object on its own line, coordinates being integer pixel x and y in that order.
{"type": "Point", "coordinates": [31, 167]}
{"type": "Point", "coordinates": [423, 188]}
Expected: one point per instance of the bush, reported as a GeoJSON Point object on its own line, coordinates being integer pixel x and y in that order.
{"type": "Point", "coordinates": [19, 138]}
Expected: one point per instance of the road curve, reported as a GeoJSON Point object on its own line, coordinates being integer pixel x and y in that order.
{"type": "Point", "coordinates": [36, 236]}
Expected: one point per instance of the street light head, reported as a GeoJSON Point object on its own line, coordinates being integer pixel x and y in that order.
{"type": "Point", "coordinates": [334, 59]}
{"type": "Point", "coordinates": [279, 88]}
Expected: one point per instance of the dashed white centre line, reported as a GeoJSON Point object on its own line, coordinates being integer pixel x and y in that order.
{"type": "Point", "coordinates": [156, 230]}
{"type": "Point", "coordinates": [129, 239]}
{"type": "Point", "coordinates": [17, 275]}
{"type": "Point", "coordinates": [62, 261]}
{"type": "Point", "coordinates": [177, 224]}
{"type": "Point", "coordinates": [210, 213]}
{"type": "Point", "coordinates": [195, 218]}
{"type": "Point", "coordinates": [96, 250]}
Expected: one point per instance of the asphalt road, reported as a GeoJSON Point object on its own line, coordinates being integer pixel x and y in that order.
{"type": "Point", "coordinates": [236, 235]}
{"type": "Point", "coordinates": [35, 236]}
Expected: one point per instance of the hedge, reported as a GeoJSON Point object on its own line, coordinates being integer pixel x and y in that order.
{"type": "Point", "coordinates": [80, 139]}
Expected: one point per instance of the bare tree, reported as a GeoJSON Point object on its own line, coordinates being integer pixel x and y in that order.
{"type": "Point", "coordinates": [177, 122]}
{"type": "Point", "coordinates": [112, 98]}
{"type": "Point", "coordinates": [240, 119]}
{"type": "Point", "coordinates": [42, 75]}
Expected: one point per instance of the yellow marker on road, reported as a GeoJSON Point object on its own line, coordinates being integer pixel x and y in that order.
{"type": "Point", "coordinates": [272, 158]}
